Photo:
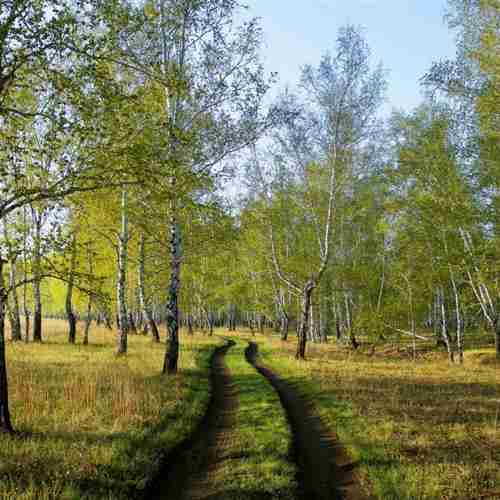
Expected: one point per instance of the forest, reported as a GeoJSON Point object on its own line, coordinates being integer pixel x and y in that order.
{"type": "Point", "coordinates": [207, 278]}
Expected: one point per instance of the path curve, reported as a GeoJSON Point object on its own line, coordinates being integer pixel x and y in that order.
{"type": "Point", "coordinates": [185, 472]}
{"type": "Point", "coordinates": [325, 470]}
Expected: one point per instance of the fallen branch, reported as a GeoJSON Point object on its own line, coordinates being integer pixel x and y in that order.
{"type": "Point", "coordinates": [406, 332]}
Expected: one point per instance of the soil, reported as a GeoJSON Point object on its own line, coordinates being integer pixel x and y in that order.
{"type": "Point", "coordinates": [188, 467]}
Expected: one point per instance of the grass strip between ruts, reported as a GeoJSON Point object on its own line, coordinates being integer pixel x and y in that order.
{"type": "Point", "coordinates": [257, 460]}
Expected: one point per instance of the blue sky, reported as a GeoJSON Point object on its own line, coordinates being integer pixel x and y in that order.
{"type": "Point", "coordinates": [406, 35]}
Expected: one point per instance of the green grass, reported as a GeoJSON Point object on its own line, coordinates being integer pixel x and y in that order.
{"type": "Point", "coordinates": [256, 457]}
{"type": "Point", "coordinates": [423, 430]}
{"type": "Point", "coordinates": [92, 425]}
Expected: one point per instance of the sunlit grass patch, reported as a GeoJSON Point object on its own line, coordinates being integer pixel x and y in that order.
{"type": "Point", "coordinates": [424, 430]}
{"type": "Point", "coordinates": [94, 425]}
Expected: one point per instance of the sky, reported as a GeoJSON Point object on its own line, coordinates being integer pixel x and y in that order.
{"type": "Point", "coordinates": [406, 35]}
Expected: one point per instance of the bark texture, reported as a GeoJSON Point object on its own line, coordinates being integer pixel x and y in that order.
{"type": "Point", "coordinates": [172, 319]}
{"type": "Point", "coordinates": [14, 314]}
{"type": "Point", "coordinates": [70, 315]}
{"type": "Point", "coordinates": [37, 282]}
{"type": "Point", "coordinates": [122, 279]}
{"type": "Point", "coordinates": [146, 308]}
{"type": "Point", "coordinates": [304, 320]}
{"type": "Point", "coordinates": [88, 320]}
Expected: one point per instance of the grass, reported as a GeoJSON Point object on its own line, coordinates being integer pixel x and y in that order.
{"type": "Point", "coordinates": [257, 463]}
{"type": "Point", "coordinates": [95, 426]}
{"type": "Point", "coordinates": [92, 425]}
{"type": "Point", "coordinates": [420, 430]}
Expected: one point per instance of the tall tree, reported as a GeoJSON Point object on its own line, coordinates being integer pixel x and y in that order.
{"type": "Point", "coordinates": [212, 87]}
{"type": "Point", "coordinates": [342, 97]}
{"type": "Point", "coordinates": [47, 53]}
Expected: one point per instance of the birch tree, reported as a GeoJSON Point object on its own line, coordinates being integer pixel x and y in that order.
{"type": "Point", "coordinates": [212, 86]}
{"type": "Point", "coordinates": [317, 146]}
{"type": "Point", "coordinates": [47, 48]}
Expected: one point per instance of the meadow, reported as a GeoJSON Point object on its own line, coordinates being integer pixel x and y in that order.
{"type": "Point", "coordinates": [91, 425]}
{"type": "Point", "coordinates": [417, 430]}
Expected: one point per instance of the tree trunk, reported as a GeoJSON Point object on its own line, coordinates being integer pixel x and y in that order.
{"type": "Point", "coordinates": [411, 317]}
{"type": "Point", "coordinates": [25, 278]}
{"type": "Point", "coordinates": [131, 324]}
{"type": "Point", "coordinates": [107, 321]}
{"type": "Point", "coordinates": [146, 309]}
{"type": "Point", "coordinates": [13, 304]}
{"type": "Point", "coordinates": [497, 337]}
{"type": "Point", "coordinates": [324, 317]}
{"type": "Point", "coordinates": [122, 279]}
{"type": "Point", "coordinates": [172, 348]}
{"type": "Point", "coordinates": [37, 294]}
{"type": "Point", "coordinates": [210, 320]}
{"type": "Point", "coordinates": [337, 309]}
{"type": "Point", "coordinates": [37, 320]}
{"type": "Point", "coordinates": [312, 322]}
{"type": "Point", "coordinates": [88, 320]}
{"type": "Point", "coordinates": [26, 325]}
{"type": "Point", "coordinates": [285, 321]}
{"type": "Point", "coordinates": [444, 327]}
{"type": "Point", "coordinates": [260, 323]}
{"type": "Point", "coordinates": [304, 320]}
{"type": "Point", "coordinates": [349, 325]}
{"type": "Point", "coordinates": [5, 423]}
{"type": "Point", "coordinates": [154, 330]}
{"type": "Point", "coordinates": [14, 315]}
{"type": "Point", "coordinates": [458, 319]}
{"type": "Point", "coordinates": [69, 295]}
{"type": "Point", "coordinates": [232, 318]}
{"type": "Point", "coordinates": [347, 313]}
{"type": "Point", "coordinates": [190, 324]}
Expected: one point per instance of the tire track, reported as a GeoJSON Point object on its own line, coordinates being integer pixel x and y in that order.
{"type": "Point", "coordinates": [187, 468]}
{"type": "Point", "coordinates": [325, 470]}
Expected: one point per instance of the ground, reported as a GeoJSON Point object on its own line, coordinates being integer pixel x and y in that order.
{"type": "Point", "coordinates": [419, 430]}
{"type": "Point", "coordinates": [96, 426]}
{"type": "Point", "coordinates": [90, 423]}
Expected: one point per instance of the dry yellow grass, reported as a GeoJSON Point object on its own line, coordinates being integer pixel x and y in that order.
{"type": "Point", "coordinates": [421, 430]}
{"type": "Point", "coordinates": [91, 423]}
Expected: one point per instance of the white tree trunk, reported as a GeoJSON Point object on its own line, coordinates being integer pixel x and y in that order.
{"type": "Point", "coordinates": [122, 277]}
{"type": "Point", "coordinates": [458, 318]}
{"type": "Point", "coordinates": [146, 309]}
{"type": "Point", "coordinates": [15, 319]}
{"type": "Point", "coordinates": [172, 349]}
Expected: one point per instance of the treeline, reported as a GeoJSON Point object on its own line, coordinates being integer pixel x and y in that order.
{"type": "Point", "coordinates": [354, 227]}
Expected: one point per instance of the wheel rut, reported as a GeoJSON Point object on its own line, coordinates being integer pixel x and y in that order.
{"type": "Point", "coordinates": [187, 469]}
{"type": "Point", "coordinates": [325, 470]}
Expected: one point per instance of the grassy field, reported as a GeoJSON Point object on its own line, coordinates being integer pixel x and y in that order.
{"type": "Point", "coordinates": [91, 425]}
{"type": "Point", "coordinates": [419, 430]}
